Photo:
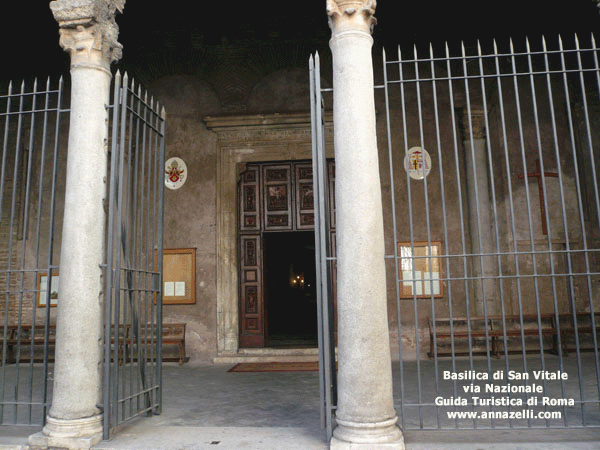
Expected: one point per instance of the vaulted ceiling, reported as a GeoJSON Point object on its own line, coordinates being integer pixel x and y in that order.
{"type": "Point", "coordinates": [172, 37]}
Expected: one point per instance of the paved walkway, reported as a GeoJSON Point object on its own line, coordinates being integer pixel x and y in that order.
{"type": "Point", "coordinates": [206, 407]}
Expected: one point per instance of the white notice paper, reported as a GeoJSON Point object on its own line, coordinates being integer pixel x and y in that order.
{"type": "Point", "coordinates": [169, 289]}
{"type": "Point", "coordinates": [431, 279]}
{"type": "Point", "coordinates": [180, 288]}
{"type": "Point", "coordinates": [412, 280]}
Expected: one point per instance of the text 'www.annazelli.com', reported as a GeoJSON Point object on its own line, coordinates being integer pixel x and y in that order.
{"type": "Point", "coordinates": [507, 415]}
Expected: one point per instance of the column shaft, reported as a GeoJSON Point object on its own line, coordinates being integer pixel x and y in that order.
{"type": "Point", "coordinates": [74, 421]}
{"type": "Point", "coordinates": [481, 229]}
{"type": "Point", "coordinates": [79, 322]}
{"type": "Point", "coordinates": [365, 413]}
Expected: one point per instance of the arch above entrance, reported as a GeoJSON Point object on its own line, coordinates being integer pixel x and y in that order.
{"type": "Point", "coordinates": [244, 139]}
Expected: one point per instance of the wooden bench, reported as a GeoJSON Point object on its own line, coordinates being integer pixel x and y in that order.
{"type": "Point", "coordinates": [22, 338]}
{"type": "Point", "coordinates": [493, 329]}
{"type": "Point", "coordinates": [585, 326]}
{"type": "Point", "coordinates": [172, 334]}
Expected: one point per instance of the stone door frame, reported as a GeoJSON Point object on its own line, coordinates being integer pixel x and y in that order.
{"type": "Point", "coordinates": [244, 139]}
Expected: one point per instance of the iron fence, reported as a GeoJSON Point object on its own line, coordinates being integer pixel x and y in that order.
{"type": "Point", "coordinates": [35, 133]}
{"type": "Point", "coordinates": [492, 212]}
{"type": "Point", "coordinates": [32, 169]}
{"type": "Point", "coordinates": [133, 300]}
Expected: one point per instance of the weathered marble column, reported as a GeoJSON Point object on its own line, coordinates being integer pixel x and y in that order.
{"type": "Point", "coordinates": [480, 213]}
{"type": "Point", "coordinates": [365, 415]}
{"type": "Point", "coordinates": [88, 33]}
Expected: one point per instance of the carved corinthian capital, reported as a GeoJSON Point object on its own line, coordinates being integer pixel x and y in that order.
{"type": "Point", "coordinates": [477, 124]}
{"type": "Point", "coordinates": [88, 31]}
{"type": "Point", "coordinates": [351, 14]}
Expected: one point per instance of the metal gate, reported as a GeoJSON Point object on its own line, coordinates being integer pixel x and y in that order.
{"type": "Point", "coordinates": [133, 299]}
{"type": "Point", "coordinates": [324, 254]}
{"type": "Point", "coordinates": [32, 167]}
{"type": "Point", "coordinates": [34, 143]}
{"type": "Point", "coordinates": [491, 215]}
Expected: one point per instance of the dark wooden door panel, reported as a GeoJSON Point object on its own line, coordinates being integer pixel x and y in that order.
{"type": "Point", "coordinates": [305, 203]}
{"type": "Point", "coordinates": [250, 199]}
{"type": "Point", "coordinates": [277, 197]}
{"type": "Point", "coordinates": [252, 326]}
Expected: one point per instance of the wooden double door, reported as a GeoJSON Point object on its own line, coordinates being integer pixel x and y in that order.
{"type": "Point", "coordinates": [277, 298]}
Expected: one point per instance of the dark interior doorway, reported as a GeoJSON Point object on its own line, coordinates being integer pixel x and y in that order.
{"type": "Point", "coordinates": [289, 287]}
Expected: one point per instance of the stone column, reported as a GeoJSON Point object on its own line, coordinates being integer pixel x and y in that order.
{"type": "Point", "coordinates": [480, 213]}
{"type": "Point", "coordinates": [365, 414]}
{"type": "Point", "coordinates": [88, 33]}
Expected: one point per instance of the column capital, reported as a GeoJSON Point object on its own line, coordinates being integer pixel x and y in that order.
{"type": "Point", "coordinates": [88, 31]}
{"type": "Point", "coordinates": [477, 124]}
{"type": "Point", "coordinates": [351, 15]}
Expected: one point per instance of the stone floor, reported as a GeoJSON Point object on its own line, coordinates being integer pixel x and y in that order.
{"type": "Point", "coordinates": [206, 407]}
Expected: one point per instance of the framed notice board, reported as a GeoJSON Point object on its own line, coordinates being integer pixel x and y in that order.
{"type": "Point", "coordinates": [42, 289]}
{"type": "Point", "coordinates": [420, 269]}
{"type": "Point", "coordinates": [179, 276]}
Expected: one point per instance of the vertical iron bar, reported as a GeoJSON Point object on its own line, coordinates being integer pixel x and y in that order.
{"type": "Point", "coordinates": [7, 296]}
{"type": "Point", "coordinates": [24, 233]}
{"type": "Point", "coordinates": [427, 225]}
{"type": "Point", "coordinates": [478, 217]}
{"type": "Point", "coordinates": [319, 165]}
{"type": "Point", "coordinates": [581, 219]}
{"type": "Point", "coordinates": [130, 243]}
{"type": "Point", "coordinates": [159, 262]}
{"type": "Point", "coordinates": [564, 215]}
{"type": "Point", "coordinates": [405, 129]}
{"type": "Point", "coordinates": [464, 244]}
{"type": "Point", "coordinates": [592, 156]}
{"type": "Point", "coordinates": [39, 214]}
{"type": "Point", "coordinates": [121, 261]}
{"type": "Point", "coordinates": [546, 218]}
{"type": "Point", "coordinates": [393, 208]}
{"type": "Point", "coordinates": [53, 189]}
{"type": "Point", "coordinates": [444, 222]}
{"type": "Point", "coordinates": [509, 182]}
{"type": "Point", "coordinates": [494, 201]}
{"type": "Point", "coordinates": [461, 216]}
{"type": "Point", "coordinates": [588, 137]}
{"type": "Point", "coordinates": [18, 156]}
{"type": "Point", "coordinates": [109, 292]}
{"type": "Point", "coordinates": [528, 203]}
{"type": "Point", "coordinates": [317, 196]}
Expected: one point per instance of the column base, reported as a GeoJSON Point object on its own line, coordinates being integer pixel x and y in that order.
{"type": "Point", "coordinates": [373, 436]}
{"type": "Point", "coordinates": [68, 433]}
{"type": "Point", "coordinates": [336, 444]}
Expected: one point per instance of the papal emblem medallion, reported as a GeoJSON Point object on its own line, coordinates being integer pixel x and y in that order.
{"type": "Point", "coordinates": [175, 173]}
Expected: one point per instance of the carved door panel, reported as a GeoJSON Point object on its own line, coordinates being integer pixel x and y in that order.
{"type": "Point", "coordinates": [250, 199]}
{"type": "Point", "coordinates": [277, 196]}
{"type": "Point", "coordinates": [252, 324]}
{"type": "Point", "coordinates": [305, 203]}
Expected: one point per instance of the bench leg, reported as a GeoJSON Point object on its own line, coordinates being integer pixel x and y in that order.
{"type": "Point", "coordinates": [495, 346]}
{"type": "Point", "coordinates": [181, 353]}
{"type": "Point", "coordinates": [9, 358]}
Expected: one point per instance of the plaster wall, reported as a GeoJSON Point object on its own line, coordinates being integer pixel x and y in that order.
{"type": "Point", "coordinates": [190, 211]}
{"type": "Point", "coordinates": [203, 213]}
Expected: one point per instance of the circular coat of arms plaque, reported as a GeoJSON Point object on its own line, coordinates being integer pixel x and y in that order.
{"type": "Point", "coordinates": [417, 163]}
{"type": "Point", "coordinates": [175, 173]}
